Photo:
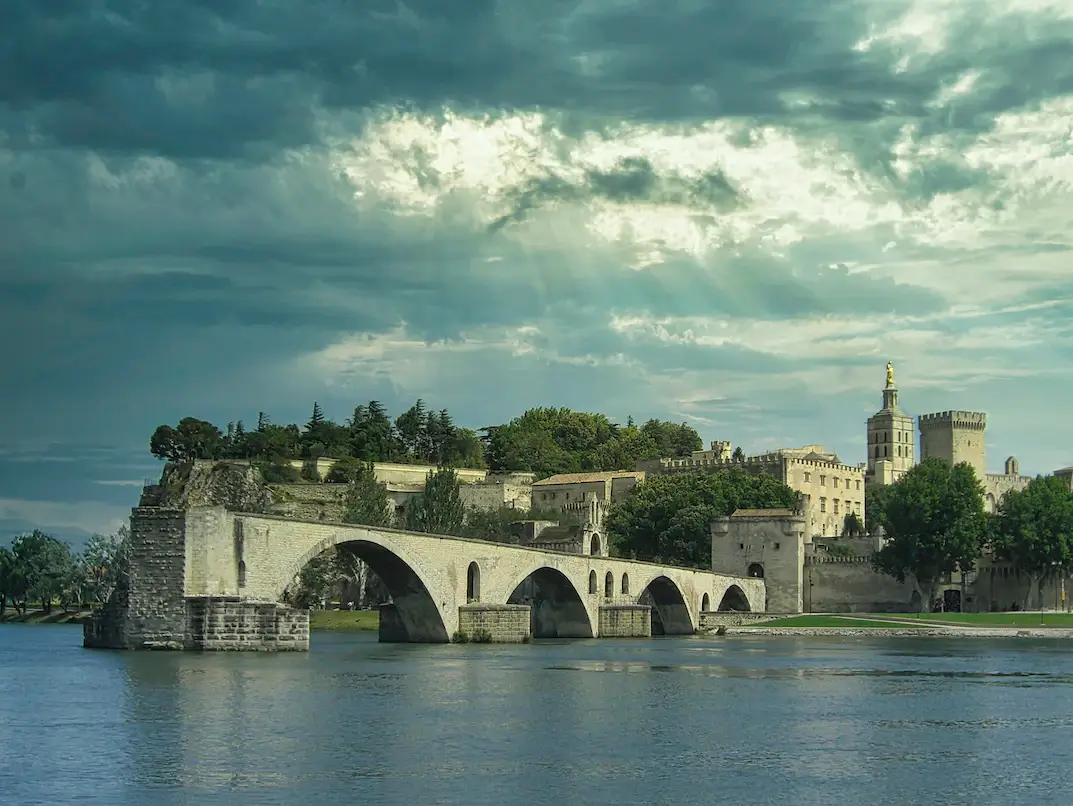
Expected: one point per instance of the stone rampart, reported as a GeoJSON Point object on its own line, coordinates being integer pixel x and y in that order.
{"type": "Point", "coordinates": [849, 585]}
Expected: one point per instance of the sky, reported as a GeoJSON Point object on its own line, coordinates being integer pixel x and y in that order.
{"type": "Point", "coordinates": [728, 213]}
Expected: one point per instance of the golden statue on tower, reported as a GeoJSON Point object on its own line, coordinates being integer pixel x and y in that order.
{"type": "Point", "coordinates": [890, 374]}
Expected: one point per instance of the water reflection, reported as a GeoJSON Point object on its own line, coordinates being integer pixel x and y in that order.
{"type": "Point", "coordinates": [665, 721]}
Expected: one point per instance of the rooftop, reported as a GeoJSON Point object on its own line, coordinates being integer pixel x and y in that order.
{"type": "Point", "coordinates": [581, 478]}
{"type": "Point", "coordinates": [764, 513]}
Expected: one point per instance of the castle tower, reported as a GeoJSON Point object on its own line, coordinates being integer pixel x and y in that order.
{"type": "Point", "coordinates": [890, 438]}
{"type": "Point", "coordinates": [955, 437]}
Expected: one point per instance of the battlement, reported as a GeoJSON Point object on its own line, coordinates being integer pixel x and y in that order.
{"type": "Point", "coordinates": [965, 420]}
{"type": "Point", "coordinates": [590, 511]}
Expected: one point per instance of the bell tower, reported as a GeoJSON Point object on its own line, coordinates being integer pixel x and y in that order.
{"type": "Point", "coordinates": [891, 440]}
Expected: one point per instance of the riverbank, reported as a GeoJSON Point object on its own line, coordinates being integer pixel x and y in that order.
{"type": "Point", "coordinates": [57, 616]}
{"type": "Point", "coordinates": [938, 625]}
{"type": "Point", "coordinates": [344, 620]}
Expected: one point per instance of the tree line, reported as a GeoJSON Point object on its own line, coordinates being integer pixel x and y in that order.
{"type": "Point", "coordinates": [545, 441]}
{"type": "Point", "coordinates": [40, 569]}
{"type": "Point", "coordinates": [936, 524]}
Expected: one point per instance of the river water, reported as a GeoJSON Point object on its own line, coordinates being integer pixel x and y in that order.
{"type": "Point", "coordinates": [665, 721]}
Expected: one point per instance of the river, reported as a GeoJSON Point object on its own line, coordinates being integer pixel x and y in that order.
{"type": "Point", "coordinates": [665, 721]}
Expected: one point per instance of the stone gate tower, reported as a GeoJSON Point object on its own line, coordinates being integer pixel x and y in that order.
{"type": "Point", "coordinates": [890, 438]}
{"type": "Point", "coordinates": [956, 436]}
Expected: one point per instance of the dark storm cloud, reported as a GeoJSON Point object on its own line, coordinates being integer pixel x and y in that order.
{"type": "Point", "coordinates": [633, 179]}
{"type": "Point", "coordinates": [223, 78]}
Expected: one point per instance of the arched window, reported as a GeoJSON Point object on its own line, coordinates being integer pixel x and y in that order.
{"type": "Point", "coordinates": [473, 583]}
{"type": "Point", "coordinates": [609, 585]}
{"type": "Point", "coordinates": [593, 583]}
{"type": "Point", "coordinates": [241, 573]}
{"type": "Point", "coordinates": [756, 571]}
{"type": "Point", "coordinates": [594, 546]}
{"type": "Point", "coordinates": [625, 583]}
{"type": "Point", "coordinates": [705, 604]}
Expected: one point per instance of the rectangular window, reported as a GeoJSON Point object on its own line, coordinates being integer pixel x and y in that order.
{"type": "Point", "coordinates": [835, 502]}
{"type": "Point", "coordinates": [834, 481]}
{"type": "Point", "coordinates": [823, 505]}
{"type": "Point", "coordinates": [741, 546]}
{"type": "Point", "coordinates": [778, 546]}
{"type": "Point", "coordinates": [808, 477]}
{"type": "Point", "coordinates": [823, 481]}
{"type": "Point", "coordinates": [858, 484]}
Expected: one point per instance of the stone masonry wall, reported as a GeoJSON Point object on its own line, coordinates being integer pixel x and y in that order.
{"type": "Point", "coordinates": [231, 624]}
{"type": "Point", "coordinates": [849, 585]}
{"type": "Point", "coordinates": [506, 623]}
{"type": "Point", "coordinates": [625, 621]}
{"type": "Point", "coordinates": [496, 494]}
{"type": "Point", "coordinates": [156, 611]}
{"type": "Point", "coordinates": [309, 502]}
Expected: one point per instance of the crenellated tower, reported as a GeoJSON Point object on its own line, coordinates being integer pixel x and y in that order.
{"type": "Point", "coordinates": [955, 437]}
{"type": "Point", "coordinates": [890, 438]}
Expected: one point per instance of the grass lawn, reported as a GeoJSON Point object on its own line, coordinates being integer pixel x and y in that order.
{"type": "Point", "coordinates": [1022, 619]}
{"type": "Point", "coordinates": [344, 620]}
{"type": "Point", "coordinates": [833, 621]}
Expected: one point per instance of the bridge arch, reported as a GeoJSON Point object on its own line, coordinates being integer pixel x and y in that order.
{"type": "Point", "coordinates": [670, 612]}
{"type": "Point", "coordinates": [734, 599]}
{"type": "Point", "coordinates": [557, 609]}
{"type": "Point", "coordinates": [419, 617]}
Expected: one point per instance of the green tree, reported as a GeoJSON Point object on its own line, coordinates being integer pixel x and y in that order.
{"type": "Point", "coordinates": [852, 526]}
{"type": "Point", "coordinates": [366, 501]}
{"type": "Point", "coordinates": [43, 565]}
{"type": "Point", "coordinates": [672, 439]}
{"type": "Point", "coordinates": [875, 507]}
{"type": "Point", "coordinates": [738, 455]}
{"type": "Point", "coordinates": [1033, 529]}
{"type": "Point", "coordinates": [11, 580]}
{"type": "Point", "coordinates": [412, 429]}
{"type": "Point", "coordinates": [667, 519]}
{"type": "Point", "coordinates": [103, 561]}
{"type": "Point", "coordinates": [439, 509]}
{"type": "Point", "coordinates": [935, 525]}
{"type": "Point", "coordinates": [191, 439]}
{"type": "Point", "coordinates": [371, 434]}
{"type": "Point", "coordinates": [321, 579]}
{"type": "Point", "coordinates": [624, 450]}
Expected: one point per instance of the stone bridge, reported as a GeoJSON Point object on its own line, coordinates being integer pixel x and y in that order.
{"type": "Point", "coordinates": [207, 578]}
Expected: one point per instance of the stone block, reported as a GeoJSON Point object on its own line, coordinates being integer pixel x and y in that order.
{"type": "Point", "coordinates": [494, 623]}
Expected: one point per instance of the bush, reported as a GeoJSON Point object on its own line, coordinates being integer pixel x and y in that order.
{"type": "Point", "coordinates": [460, 637]}
{"type": "Point", "coordinates": [344, 471]}
{"type": "Point", "coordinates": [310, 471]}
{"type": "Point", "coordinates": [482, 637]}
{"type": "Point", "coordinates": [279, 472]}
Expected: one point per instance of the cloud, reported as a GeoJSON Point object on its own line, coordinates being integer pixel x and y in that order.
{"type": "Point", "coordinates": [729, 213]}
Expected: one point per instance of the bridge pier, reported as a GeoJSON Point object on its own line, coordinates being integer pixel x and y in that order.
{"type": "Point", "coordinates": [625, 621]}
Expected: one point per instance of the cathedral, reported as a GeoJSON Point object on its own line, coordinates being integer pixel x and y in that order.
{"type": "Point", "coordinates": [955, 436]}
